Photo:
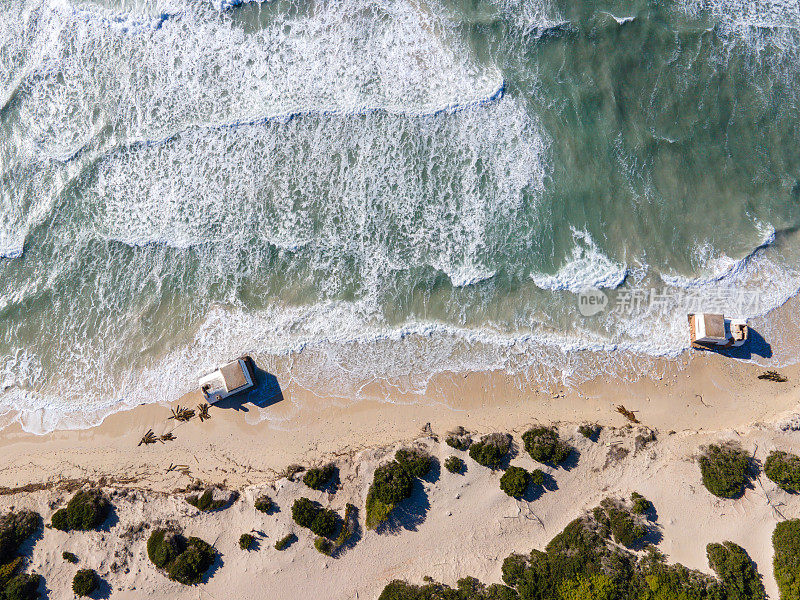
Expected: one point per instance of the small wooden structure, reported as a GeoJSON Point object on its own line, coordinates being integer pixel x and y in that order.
{"type": "Point", "coordinates": [711, 330]}
{"type": "Point", "coordinates": [227, 380]}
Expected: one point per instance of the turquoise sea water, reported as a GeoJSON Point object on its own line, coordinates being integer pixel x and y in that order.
{"type": "Point", "coordinates": [381, 189]}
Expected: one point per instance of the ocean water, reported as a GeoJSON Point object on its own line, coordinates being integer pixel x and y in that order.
{"type": "Point", "coordinates": [383, 190]}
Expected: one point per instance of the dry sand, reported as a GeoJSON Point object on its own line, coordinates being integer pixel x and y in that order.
{"type": "Point", "coordinates": [456, 525]}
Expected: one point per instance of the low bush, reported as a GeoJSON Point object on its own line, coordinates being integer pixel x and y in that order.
{"type": "Point", "coordinates": [317, 478]}
{"type": "Point", "coordinates": [285, 542]}
{"type": "Point", "coordinates": [311, 515]}
{"type": "Point", "coordinates": [725, 469]}
{"type": "Point", "coordinates": [205, 501]}
{"type": "Point", "coordinates": [22, 586]}
{"type": "Point", "coordinates": [392, 483]}
{"type": "Point", "coordinates": [784, 469]}
{"type": "Point", "coordinates": [582, 562]}
{"type": "Point", "coordinates": [416, 461]}
{"type": "Point", "coordinates": [625, 527]}
{"type": "Point", "coordinates": [69, 557]}
{"type": "Point", "coordinates": [8, 570]}
{"type": "Point", "coordinates": [454, 464]}
{"type": "Point", "coordinates": [459, 439]}
{"type": "Point", "coordinates": [786, 560]}
{"type": "Point", "coordinates": [87, 510]}
{"type": "Point", "coordinates": [536, 477]}
{"type": "Point", "coordinates": [246, 541]}
{"type": "Point", "coordinates": [265, 504]}
{"type": "Point", "coordinates": [640, 504]}
{"type": "Point", "coordinates": [15, 528]}
{"type": "Point", "coordinates": [377, 512]}
{"type": "Point", "coordinates": [324, 546]}
{"type": "Point", "coordinates": [737, 572]}
{"type": "Point", "coordinates": [544, 445]}
{"type": "Point", "coordinates": [514, 482]}
{"type": "Point", "coordinates": [184, 560]}
{"type": "Point", "coordinates": [491, 450]}
{"type": "Point", "coordinates": [85, 582]}
{"type": "Point", "coordinates": [590, 431]}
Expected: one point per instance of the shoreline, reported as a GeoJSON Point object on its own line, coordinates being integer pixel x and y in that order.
{"type": "Point", "coordinates": [710, 393]}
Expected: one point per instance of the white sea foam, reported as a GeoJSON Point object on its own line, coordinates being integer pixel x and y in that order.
{"type": "Point", "coordinates": [149, 77]}
{"type": "Point", "coordinates": [587, 268]}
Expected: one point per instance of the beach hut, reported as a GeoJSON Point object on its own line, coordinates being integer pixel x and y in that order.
{"type": "Point", "coordinates": [228, 379]}
{"type": "Point", "coordinates": [710, 330]}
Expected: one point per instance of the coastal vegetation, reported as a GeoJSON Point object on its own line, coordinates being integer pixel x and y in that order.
{"type": "Point", "coordinates": [391, 484]}
{"type": "Point", "coordinates": [85, 582]}
{"type": "Point", "coordinates": [491, 450]}
{"type": "Point", "coordinates": [590, 431]}
{"type": "Point", "coordinates": [319, 477]}
{"type": "Point", "coordinates": [514, 481]}
{"type": "Point", "coordinates": [184, 560]}
{"type": "Point", "coordinates": [265, 504]}
{"type": "Point", "coordinates": [87, 510]}
{"type": "Point", "coordinates": [285, 541]}
{"type": "Point", "coordinates": [786, 560]}
{"type": "Point", "coordinates": [544, 445]}
{"type": "Point", "coordinates": [585, 562]}
{"type": "Point", "coordinates": [784, 469]}
{"type": "Point", "coordinates": [454, 464]}
{"type": "Point", "coordinates": [69, 557]}
{"type": "Point", "coordinates": [416, 461]}
{"type": "Point", "coordinates": [725, 469]}
{"type": "Point", "coordinates": [15, 529]}
{"type": "Point", "coordinates": [311, 515]}
{"type": "Point", "coordinates": [207, 502]}
{"type": "Point", "coordinates": [459, 439]}
{"type": "Point", "coordinates": [246, 541]}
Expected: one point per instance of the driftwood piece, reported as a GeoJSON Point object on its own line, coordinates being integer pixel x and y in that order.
{"type": "Point", "coordinates": [628, 414]}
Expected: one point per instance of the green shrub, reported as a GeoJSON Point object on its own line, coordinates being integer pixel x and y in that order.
{"type": "Point", "coordinates": [190, 565]}
{"type": "Point", "coordinates": [15, 528]}
{"type": "Point", "coordinates": [491, 450]}
{"type": "Point", "coordinates": [392, 483]}
{"type": "Point", "coordinates": [514, 567]}
{"type": "Point", "coordinates": [87, 510]}
{"type": "Point", "coordinates": [324, 546]}
{"type": "Point", "coordinates": [311, 515]}
{"type": "Point", "coordinates": [285, 542]}
{"type": "Point", "coordinates": [454, 464]}
{"type": "Point", "coordinates": [725, 469]}
{"type": "Point", "coordinates": [459, 439]}
{"type": "Point", "coordinates": [265, 504]}
{"type": "Point", "coordinates": [414, 460]}
{"type": "Point", "coordinates": [640, 504]}
{"type": "Point", "coordinates": [85, 582]}
{"type": "Point", "coordinates": [23, 587]}
{"type": "Point", "coordinates": [623, 525]}
{"type": "Point", "coordinates": [319, 477]}
{"type": "Point", "coordinates": [536, 477]}
{"type": "Point", "coordinates": [349, 525]}
{"type": "Point", "coordinates": [246, 541]}
{"type": "Point", "coordinates": [786, 561]}
{"type": "Point", "coordinates": [205, 501]}
{"type": "Point", "coordinates": [784, 469]}
{"type": "Point", "coordinates": [69, 557]}
{"type": "Point", "coordinates": [467, 588]}
{"type": "Point", "coordinates": [377, 511]}
{"type": "Point", "coordinates": [544, 445]}
{"type": "Point", "coordinates": [736, 570]}
{"type": "Point", "coordinates": [514, 482]}
{"type": "Point", "coordinates": [8, 570]}
{"type": "Point", "coordinates": [185, 561]}
{"type": "Point", "coordinates": [590, 431]}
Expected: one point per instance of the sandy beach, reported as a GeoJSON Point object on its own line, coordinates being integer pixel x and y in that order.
{"type": "Point", "coordinates": [706, 399]}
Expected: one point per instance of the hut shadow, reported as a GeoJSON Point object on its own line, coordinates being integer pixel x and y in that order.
{"type": "Point", "coordinates": [755, 345]}
{"type": "Point", "coordinates": [410, 513]}
{"type": "Point", "coordinates": [267, 391]}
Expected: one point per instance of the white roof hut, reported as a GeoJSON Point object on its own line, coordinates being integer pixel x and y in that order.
{"type": "Point", "coordinates": [711, 329]}
{"type": "Point", "coordinates": [227, 380]}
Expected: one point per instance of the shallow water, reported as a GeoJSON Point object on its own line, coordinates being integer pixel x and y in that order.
{"type": "Point", "coordinates": [381, 189]}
